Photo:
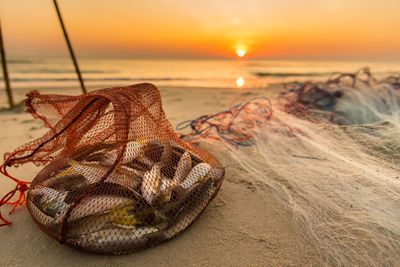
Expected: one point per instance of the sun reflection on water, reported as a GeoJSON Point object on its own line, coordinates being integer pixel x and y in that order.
{"type": "Point", "coordinates": [240, 82]}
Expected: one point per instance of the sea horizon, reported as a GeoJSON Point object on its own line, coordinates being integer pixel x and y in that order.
{"type": "Point", "coordinates": [44, 72]}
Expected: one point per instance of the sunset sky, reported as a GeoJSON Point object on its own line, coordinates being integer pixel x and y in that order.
{"type": "Point", "coordinates": [287, 29]}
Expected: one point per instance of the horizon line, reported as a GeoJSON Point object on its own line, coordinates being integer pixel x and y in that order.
{"type": "Point", "coordinates": [249, 58]}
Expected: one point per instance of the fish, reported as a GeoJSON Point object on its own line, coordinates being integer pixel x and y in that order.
{"type": "Point", "coordinates": [134, 216]}
{"type": "Point", "coordinates": [114, 240]}
{"type": "Point", "coordinates": [122, 175]}
{"type": "Point", "coordinates": [99, 198]}
{"type": "Point", "coordinates": [197, 174]}
{"type": "Point", "coordinates": [127, 215]}
{"type": "Point", "coordinates": [56, 175]}
{"type": "Point", "coordinates": [158, 150]}
{"type": "Point", "coordinates": [167, 185]}
{"type": "Point", "coordinates": [182, 212]}
{"type": "Point", "coordinates": [216, 174]}
{"type": "Point", "coordinates": [124, 217]}
{"type": "Point", "coordinates": [88, 224]}
{"type": "Point", "coordinates": [133, 150]}
{"type": "Point", "coordinates": [94, 157]}
{"type": "Point", "coordinates": [40, 216]}
{"type": "Point", "coordinates": [166, 154]}
{"type": "Point", "coordinates": [93, 172]}
{"type": "Point", "coordinates": [145, 161]}
{"type": "Point", "coordinates": [121, 216]}
{"type": "Point", "coordinates": [180, 149]}
{"type": "Point", "coordinates": [151, 183]}
{"type": "Point", "coordinates": [50, 205]}
{"type": "Point", "coordinates": [106, 189]}
{"type": "Point", "coordinates": [94, 204]}
{"type": "Point", "coordinates": [126, 177]}
{"type": "Point", "coordinates": [183, 168]}
{"type": "Point", "coordinates": [67, 182]}
{"type": "Point", "coordinates": [48, 200]}
{"type": "Point", "coordinates": [165, 189]}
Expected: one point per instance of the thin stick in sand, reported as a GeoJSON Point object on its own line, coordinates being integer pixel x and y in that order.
{"type": "Point", "coordinates": [5, 71]}
{"type": "Point", "coordinates": [71, 51]}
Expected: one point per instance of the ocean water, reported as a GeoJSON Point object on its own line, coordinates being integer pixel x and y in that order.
{"type": "Point", "coordinates": [36, 73]}
{"type": "Point", "coordinates": [55, 74]}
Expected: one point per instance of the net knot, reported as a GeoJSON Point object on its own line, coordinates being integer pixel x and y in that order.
{"type": "Point", "coordinates": [22, 187]}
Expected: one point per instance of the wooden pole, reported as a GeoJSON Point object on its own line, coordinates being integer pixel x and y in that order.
{"type": "Point", "coordinates": [78, 72]}
{"type": "Point", "coordinates": [5, 71]}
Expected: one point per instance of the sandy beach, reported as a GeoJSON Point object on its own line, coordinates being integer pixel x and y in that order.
{"type": "Point", "coordinates": [298, 101]}
{"type": "Point", "coordinates": [242, 226]}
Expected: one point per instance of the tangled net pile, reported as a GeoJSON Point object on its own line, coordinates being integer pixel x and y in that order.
{"type": "Point", "coordinates": [337, 169]}
{"type": "Point", "coordinates": [337, 98]}
{"type": "Point", "coordinates": [117, 178]}
{"type": "Point", "coordinates": [234, 125]}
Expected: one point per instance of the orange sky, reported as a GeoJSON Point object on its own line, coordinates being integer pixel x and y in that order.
{"type": "Point", "coordinates": [287, 29]}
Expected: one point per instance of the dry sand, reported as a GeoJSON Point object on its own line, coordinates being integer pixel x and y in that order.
{"type": "Point", "coordinates": [243, 225]}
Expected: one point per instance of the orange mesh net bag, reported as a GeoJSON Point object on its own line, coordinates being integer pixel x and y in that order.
{"type": "Point", "coordinates": [117, 178]}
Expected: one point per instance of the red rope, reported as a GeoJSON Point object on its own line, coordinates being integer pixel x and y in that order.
{"type": "Point", "coordinates": [21, 187]}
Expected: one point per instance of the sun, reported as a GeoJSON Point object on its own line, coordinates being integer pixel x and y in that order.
{"type": "Point", "coordinates": [241, 52]}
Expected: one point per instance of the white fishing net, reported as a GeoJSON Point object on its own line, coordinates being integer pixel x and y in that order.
{"type": "Point", "coordinates": [340, 181]}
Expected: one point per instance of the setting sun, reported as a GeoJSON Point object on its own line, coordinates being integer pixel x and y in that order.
{"type": "Point", "coordinates": [241, 52]}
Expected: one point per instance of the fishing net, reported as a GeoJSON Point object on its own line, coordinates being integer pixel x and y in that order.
{"type": "Point", "coordinates": [346, 98]}
{"type": "Point", "coordinates": [117, 178]}
{"type": "Point", "coordinates": [234, 126]}
{"type": "Point", "coordinates": [330, 155]}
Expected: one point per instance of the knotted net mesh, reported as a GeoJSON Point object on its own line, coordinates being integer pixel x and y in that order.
{"type": "Point", "coordinates": [117, 178]}
{"type": "Point", "coordinates": [329, 154]}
